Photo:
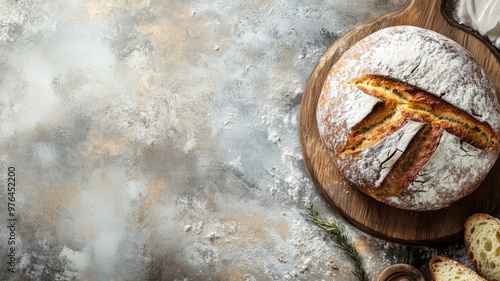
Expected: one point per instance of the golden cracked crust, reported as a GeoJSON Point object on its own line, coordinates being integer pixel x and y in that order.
{"type": "Point", "coordinates": [415, 104]}
{"type": "Point", "coordinates": [400, 103]}
{"type": "Point", "coordinates": [410, 118]}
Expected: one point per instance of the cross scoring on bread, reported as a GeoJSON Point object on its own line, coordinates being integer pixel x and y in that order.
{"type": "Point", "coordinates": [401, 103]}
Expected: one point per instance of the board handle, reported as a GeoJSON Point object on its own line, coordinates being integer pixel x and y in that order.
{"type": "Point", "coordinates": [428, 8]}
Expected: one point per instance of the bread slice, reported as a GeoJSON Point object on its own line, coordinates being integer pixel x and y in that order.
{"type": "Point", "coordinates": [446, 269]}
{"type": "Point", "coordinates": [482, 240]}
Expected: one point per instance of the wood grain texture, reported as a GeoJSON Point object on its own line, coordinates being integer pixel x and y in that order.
{"type": "Point", "coordinates": [367, 214]}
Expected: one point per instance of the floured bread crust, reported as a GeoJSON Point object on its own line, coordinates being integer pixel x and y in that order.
{"type": "Point", "coordinates": [410, 118]}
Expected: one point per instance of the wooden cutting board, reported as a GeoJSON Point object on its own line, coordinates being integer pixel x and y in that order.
{"type": "Point", "coordinates": [367, 214]}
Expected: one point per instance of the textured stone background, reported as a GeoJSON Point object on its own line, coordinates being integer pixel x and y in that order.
{"type": "Point", "coordinates": [157, 140]}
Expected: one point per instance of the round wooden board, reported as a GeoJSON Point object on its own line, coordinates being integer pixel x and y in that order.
{"type": "Point", "coordinates": [365, 213]}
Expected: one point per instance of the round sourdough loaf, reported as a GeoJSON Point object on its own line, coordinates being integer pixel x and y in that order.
{"type": "Point", "coordinates": [410, 118]}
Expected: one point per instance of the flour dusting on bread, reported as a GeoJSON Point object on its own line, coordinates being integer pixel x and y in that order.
{"type": "Point", "coordinates": [430, 65]}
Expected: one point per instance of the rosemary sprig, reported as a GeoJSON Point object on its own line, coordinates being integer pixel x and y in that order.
{"type": "Point", "coordinates": [340, 239]}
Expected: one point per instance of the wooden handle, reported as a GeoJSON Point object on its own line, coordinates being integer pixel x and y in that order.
{"type": "Point", "coordinates": [425, 9]}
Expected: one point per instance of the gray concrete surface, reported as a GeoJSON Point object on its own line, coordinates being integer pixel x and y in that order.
{"type": "Point", "coordinates": [157, 140]}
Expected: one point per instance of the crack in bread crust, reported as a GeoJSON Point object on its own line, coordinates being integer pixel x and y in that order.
{"type": "Point", "coordinates": [399, 104]}
{"type": "Point", "coordinates": [408, 165]}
